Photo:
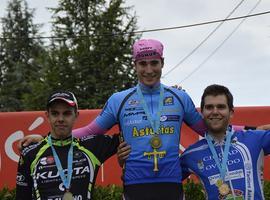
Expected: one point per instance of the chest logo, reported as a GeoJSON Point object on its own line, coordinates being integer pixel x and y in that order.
{"type": "Point", "coordinates": [168, 101]}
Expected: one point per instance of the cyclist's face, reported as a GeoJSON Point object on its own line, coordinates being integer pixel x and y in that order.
{"type": "Point", "coordinates": [61, 117]}
{"type": "Point", "coordinates": [149, 71]}
{"type": "Point", "coordinates": [216, 113]}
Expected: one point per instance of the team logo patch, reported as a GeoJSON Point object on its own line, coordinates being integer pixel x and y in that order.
{"type": "Point", "coordinates": [20, 177]}
{"type": "Point", "coordinates": [163, 118]}
{"type": "Point", "coordinates": [133, 102]}
{"type": "Point", "coordinates": [168, 101]}
{"type": "Point", "coordinates": [47, 160]}
{"type": "Point", "coordinates": [77, 154]}
{"type": "Point", "coordinates": [200, 165]}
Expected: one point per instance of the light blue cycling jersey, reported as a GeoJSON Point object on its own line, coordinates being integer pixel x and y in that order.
{"type": "Point", "coordinates": [244, 166]}
{"type": "Point", "coordinates": [148, 164]}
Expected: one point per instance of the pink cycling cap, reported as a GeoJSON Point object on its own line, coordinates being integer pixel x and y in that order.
{"type": "Point", "coordinates": [147, 48]}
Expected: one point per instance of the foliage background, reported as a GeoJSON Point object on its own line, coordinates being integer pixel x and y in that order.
{"type": "Point", "coordinates": [88, 52]}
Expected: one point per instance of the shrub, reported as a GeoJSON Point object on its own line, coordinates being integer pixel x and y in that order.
{"type": "Point", "coordinates": [7, 194]}
{"type": "Point", "coordinates": [193, 190]}
{"type": "Point", "coordinates": [112, 192]}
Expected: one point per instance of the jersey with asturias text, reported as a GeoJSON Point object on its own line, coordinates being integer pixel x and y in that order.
{"type": "Point", "coordinates": [145, 163]}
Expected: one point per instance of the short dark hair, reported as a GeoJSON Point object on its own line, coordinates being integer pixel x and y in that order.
{"type": "Point", "coordinates": [215, 90]}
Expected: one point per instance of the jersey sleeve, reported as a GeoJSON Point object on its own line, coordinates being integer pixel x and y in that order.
{"type": "Point", "coordinates": [266, 141]}
{"type": "Point", "coordinates": [184, 166]}
{"type": "Point", "coordinates": [91, 129]}
{"type": "Point", "coordinates": [192, 117]}
{"type": "Point", "coordinates": [104, 121]}
{"type": "Point", "coordinates": [103, 146]}
{"type": "Point", "coordinates": [107, 118]}
{"type": "Point", "coordinates": [24, 180]}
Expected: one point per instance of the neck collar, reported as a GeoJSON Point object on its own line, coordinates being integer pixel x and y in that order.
{"type": "Point", "coordinates": [146, 88]}
{"type": "Point", "coordinates": [61, 142]}
{"type": "Point", "coordinates": [221, 139]}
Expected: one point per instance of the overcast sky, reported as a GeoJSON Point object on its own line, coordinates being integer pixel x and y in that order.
{"type": "Point", "coordinates": [241, 63]}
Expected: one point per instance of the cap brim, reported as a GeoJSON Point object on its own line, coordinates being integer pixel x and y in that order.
{"type": "Point", "coordinates": [69, 102]}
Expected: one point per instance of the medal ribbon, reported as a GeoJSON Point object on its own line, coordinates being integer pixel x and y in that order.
{"type": "Point", "coordinates": [66, 179]}
{"type": "Point", "coordinates": [221, 166]}
{"type": "Point", "coordinates": [156, 122]}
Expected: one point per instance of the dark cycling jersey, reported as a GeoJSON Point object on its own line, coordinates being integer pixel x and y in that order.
{"type": "Point", "coordinates": [244, 165]}
{"type": "Point", "coordinates": [145, 163]}
{"type": "Point", "coordinates": [38, 177]}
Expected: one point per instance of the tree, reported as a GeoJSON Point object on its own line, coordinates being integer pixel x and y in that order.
{"type": "Point", "coordinates": [21, 56]}
{"type": "Point", "coordinates": [91, 49]}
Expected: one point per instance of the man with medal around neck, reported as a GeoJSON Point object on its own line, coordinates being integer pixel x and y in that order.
{"type": "Point", "coordinates": [228, 163]}
{"type": "Point", "coordinates": [60, 166]}
{"type": "Point", "coordinates": [150, 116]}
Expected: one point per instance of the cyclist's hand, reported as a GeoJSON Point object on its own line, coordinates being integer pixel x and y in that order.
{"type": "Point", "coordinates": [123, 152]}
{"type": "Point", "coordinates": [179, 87]}
{"type": "Point", "coordinates": [27, 140]}
{"type": "Point", "coordinates": [263, 127]}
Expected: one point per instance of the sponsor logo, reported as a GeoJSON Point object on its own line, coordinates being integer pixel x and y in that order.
{"type": "Point", "coordinates": [210, 157]}
{"type": "Point", "coordinates": [20, 177]}
{"type": "Point", "coordinates": [171, 110]}
{"type": "Point", "coordinates": [17, 135]}
{"type": "Point", "coordinates": [134, 113]}
{"type": "Point", "coordinates": [229, 162]}
{"type": "Point", "coordinates": [168, 101]}
{"type": "Point", "coordinates": [163, 118]}
{"type": "Point", "coordinates": [168, 118]}
{"type": "Point", "coordinates": [232, 175]}
{"type": "Point", "coordinates": [133, 102]}
{"type": "Point", "coordinates": [136, 132]}
{"type": "Point", "coordinates": [133, 108]}
{"type": "Point", "coordinates": [171, 118]}
{"type": "Point", "coordinates": [47, 160]}
{"type": "Point", "coordinates": [132, 122]}
{"type": "Point", "coordinates": [55, 174]}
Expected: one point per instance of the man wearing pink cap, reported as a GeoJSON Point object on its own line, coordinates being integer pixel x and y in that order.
{"type": "Point", "coordinates": [150, 116]}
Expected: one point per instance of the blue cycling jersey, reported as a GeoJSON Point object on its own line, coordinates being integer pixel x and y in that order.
{"type": "Point", "coordinates": [244, 165]}
{"type": "Point", "coordinates": [148, 164]}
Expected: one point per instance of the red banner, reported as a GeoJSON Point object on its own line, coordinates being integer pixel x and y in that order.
{"type": "Point", "coordinates": [15, 125]}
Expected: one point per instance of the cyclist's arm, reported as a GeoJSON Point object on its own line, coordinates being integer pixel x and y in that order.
{"type": "Point", "coordinates": [24, 181]}
{"type": "Point", "coordinates": [91, 129]}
